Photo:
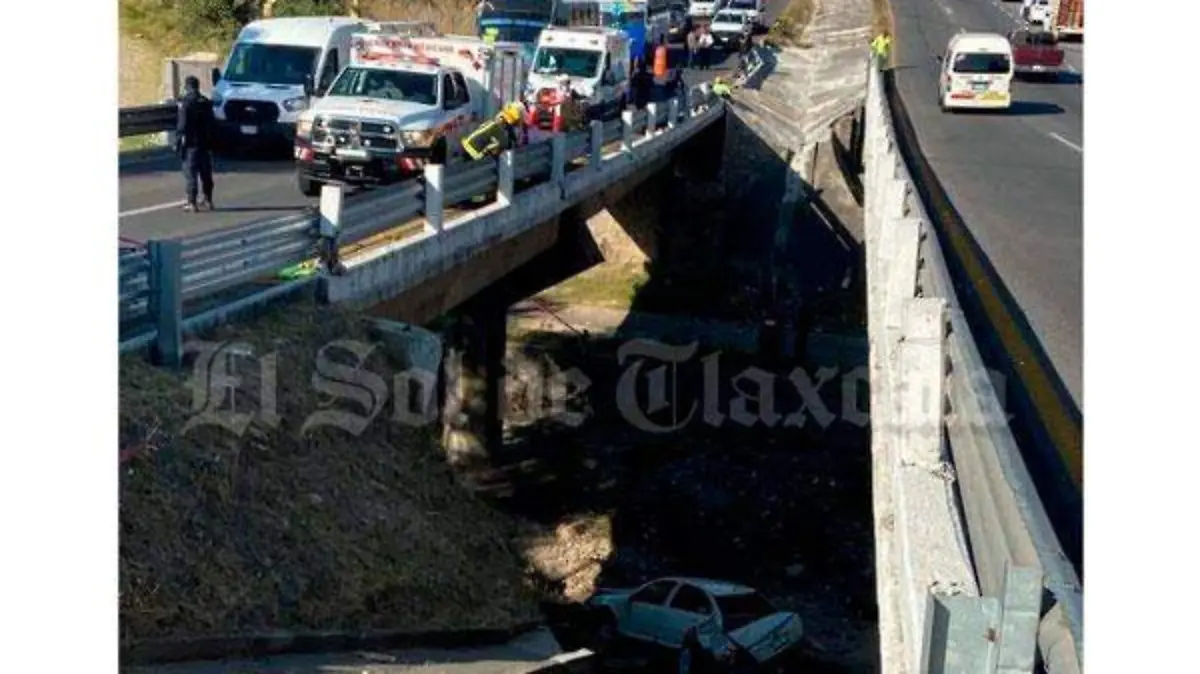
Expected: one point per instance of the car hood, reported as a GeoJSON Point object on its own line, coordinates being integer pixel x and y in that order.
{"type": "Point", "coordinates": [255, 91]}
{"type": "Point", "coordinates": [767, 637]}
{"type": "Point", "coordinates": [405, 113]}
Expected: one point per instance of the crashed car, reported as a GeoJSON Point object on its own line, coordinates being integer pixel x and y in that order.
{"type": "Point", "coordinates": [705, 625]}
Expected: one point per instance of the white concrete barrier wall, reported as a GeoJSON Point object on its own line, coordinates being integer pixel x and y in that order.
{"type": "Point", "coordinates": [959, 589]}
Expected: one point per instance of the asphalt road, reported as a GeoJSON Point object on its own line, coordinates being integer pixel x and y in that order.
{"type": "Point", "coordinates": [151, 191]}
{"type": "Point", "coordinates": [1016, 178]}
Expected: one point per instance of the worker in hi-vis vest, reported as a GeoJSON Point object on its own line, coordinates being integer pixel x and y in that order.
{"type": "Point", "coordinates": [880, 46]}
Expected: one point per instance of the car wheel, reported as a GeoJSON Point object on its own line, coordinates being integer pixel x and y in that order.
{"type": "Point", "coordinates": [308, 186]}
{"type": "Point", "coordinates": [605, 636]}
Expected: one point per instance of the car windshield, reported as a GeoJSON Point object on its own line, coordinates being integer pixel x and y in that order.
{"type": "Point", "coordinates": [390, 85]}
{"type": "Point", "coordinates": [270, 63]}
{"type": "Point", "coordinates": [981, 64]}
{"type": "Point", "coordinates": [739, 610]}
{"type": "Point", "coordinates": [573, 62]}
{"type": "Point", "coordinates": [727, 17]}
{"type": "Point", "coordinates": [742, 4]}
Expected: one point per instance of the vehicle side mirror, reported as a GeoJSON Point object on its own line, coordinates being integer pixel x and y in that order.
{"type": "Point", "coordinates": [215, 76]}
{"type": "Point", "coordinates": [308, 85]}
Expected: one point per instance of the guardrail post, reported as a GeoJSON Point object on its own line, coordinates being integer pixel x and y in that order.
{"type": "Point", "coordinates": [166, 300]}
{"type": "Point", "coordinates": [596, 149]}
{"type": "Point", "coordinates": [435, 180]}
{"type": "Point", "coordinates": [673, 113]}
{"type": "Point", "coordinates": [685, 96]}
{"type": "Point", "coordinates": [922, 383]}
{"type": "Point", "coordinates": [332, 206]}
{"type": "Point", "coordinates": [651, 119]}
{"type": "Point", "coordinates": [558, 158]}
{"type": "Point", "coordinates": [627, 132]}
{"type": "Point", "coordinates": [505, 178]}
{"type": "Point", "coordinates": [705, 95]}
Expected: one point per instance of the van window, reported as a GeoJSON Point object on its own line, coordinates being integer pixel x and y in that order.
{"type": "Point", "coordinates": [270, 63]}
{"type": "Point", "coordinates": [462, 95]}
{"type": "Point", "coordinates": [329, 71]}
{"type": "Point", "coordinates": [982, 64]}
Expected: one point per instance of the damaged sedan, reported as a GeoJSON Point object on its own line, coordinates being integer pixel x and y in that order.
{"type": "Point", "coordinates": [703, 625]}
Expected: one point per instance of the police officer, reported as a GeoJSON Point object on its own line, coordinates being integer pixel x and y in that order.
{"type": "Point", "coordinates": [194, 134]}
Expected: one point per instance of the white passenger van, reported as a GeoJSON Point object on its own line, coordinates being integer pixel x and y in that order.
{"type": "Point", "coordinates": [976, 72]}
{"type": "Point", "coordinates": [273, 69]}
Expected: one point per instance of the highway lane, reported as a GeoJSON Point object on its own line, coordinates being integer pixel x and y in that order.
{"type": "Point", "coordinates": [1016, 178]}
{"type": "Point", "coordinates": [151, 192]}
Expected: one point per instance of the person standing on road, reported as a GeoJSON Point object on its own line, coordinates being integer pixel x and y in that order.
{"type": "Point", "coordinates": [643, 85]}
{"type": "Point", "coordinates": [704, 47]}
{"type": "Point", "coordinates": [660, 58]}
{"type": "Point", "coordinates": [692, 40]}
{"type": "Point", "coordinates": [193, 141]}
{"type": "Point", "coordinates": [881, 46]}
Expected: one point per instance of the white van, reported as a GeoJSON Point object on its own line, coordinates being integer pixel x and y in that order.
{"type": "Point", "coordinates": [273, 69]}
{"type": "Point", "coordinates": [595, 59]}
{"type": "Point", "coordinates": [976, 72]}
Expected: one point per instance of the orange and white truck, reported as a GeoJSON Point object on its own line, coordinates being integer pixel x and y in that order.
{"type": "Point", "coordinates": [403, 100]}
{"type": "Point", "coordinates": [1068, 19]}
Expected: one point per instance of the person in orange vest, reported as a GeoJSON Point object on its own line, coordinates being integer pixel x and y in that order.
{"type": "Point", "coordinates": [660, 58]}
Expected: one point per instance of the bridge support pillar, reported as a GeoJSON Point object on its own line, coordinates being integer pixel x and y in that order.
{"type": "Point", "coordinates": [473, 378]}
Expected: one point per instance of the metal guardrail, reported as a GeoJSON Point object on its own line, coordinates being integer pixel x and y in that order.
{"type": "Point", "coordinates": [204, 269]}
{"type": "Point", "coordinates": [1021, 604]}
{"type": "Point", "coordinates": [146, 119]}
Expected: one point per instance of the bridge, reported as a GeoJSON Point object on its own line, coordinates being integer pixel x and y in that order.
{"type": "Point", "coordinates": [970, 563]}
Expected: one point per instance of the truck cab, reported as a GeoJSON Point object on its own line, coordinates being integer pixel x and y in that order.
{"type": "Point", "coordinates": [400, 103]}
{"type": "Point", "coordinates": [595, 59]}
{"type": "Point", "coordinates": [273, 69]}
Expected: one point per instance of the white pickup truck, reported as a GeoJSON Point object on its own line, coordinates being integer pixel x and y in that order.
{"type": "Point", "coordinates": [401, 102]}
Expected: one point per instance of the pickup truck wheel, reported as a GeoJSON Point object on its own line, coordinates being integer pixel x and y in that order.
{"type": "Point", "coordinates": [308, 186]}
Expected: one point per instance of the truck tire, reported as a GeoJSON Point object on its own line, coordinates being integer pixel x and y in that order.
{"type": "Point", "coordinates": [308, 186]}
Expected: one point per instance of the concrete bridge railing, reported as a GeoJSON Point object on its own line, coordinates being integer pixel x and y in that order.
{"type": "Point", "coordinates": [171, 288]}
{"type": "Point", "coordinates": [970, 576]}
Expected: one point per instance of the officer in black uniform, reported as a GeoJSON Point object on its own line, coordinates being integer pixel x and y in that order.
{"type": "Point", "coordinates": [193, 142]}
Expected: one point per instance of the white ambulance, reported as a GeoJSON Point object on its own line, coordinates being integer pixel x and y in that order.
{"type": "Point", "coordinates": [596, 61]}
{"type": "Point", "coordinates": [402, 101]}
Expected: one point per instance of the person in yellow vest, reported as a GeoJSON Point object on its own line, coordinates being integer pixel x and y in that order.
{"type": "Point", "coordinates": [495, 135]}
{"type": "Point", "coordinates": [721, 88]}
{"type": "Point", "coordinates": [881, 47]}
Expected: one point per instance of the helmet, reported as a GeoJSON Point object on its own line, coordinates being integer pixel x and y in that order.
{"type": "Point", "coordinates": [719, 80]}
{"type": "Point", "coordinates": [512, 113]}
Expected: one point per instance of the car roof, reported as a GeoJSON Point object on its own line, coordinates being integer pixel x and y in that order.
{"type": "Point", "coordinates": [987, 42]}
{"type": "Point", "coordinates": [717, 588]}
{"type": "Point", "coordinates": [300, 31]}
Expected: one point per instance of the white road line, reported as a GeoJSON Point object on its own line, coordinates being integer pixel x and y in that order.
{"type": "Point", "coordinates": [1064, 141]}
{"type": "Point", "coordinates": [150, 209]}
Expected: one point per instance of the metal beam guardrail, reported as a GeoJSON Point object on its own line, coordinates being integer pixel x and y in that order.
{"type": "Point", "coordinates": [146, 119]}
{"type": "Point", "coordinates": [941, 438]}
{"type": "Point", "coordinates": [208, 269]}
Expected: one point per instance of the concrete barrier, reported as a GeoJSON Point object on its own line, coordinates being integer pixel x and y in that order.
{"type": "Point", "coordinates": [971, 588]}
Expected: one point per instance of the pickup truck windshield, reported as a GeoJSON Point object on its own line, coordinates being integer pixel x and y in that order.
{"type": "Point", "coordinates": [573, 62]}
{"type": "Point", "coordinates": [270, 63]}
{"type": "Point", "coordinates": [390, 85]}
{"type": "Point", "coordinates": [739, 610]}
{"type": "Point", "coordinates": [981, 64]}
{"type": "Point", "coordinates": [727, 17]}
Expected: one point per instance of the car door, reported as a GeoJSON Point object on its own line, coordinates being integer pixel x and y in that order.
{"type": "Point", "coordinates": [647, 611]}
{"type": "Point", "coordinates": [689, 608]}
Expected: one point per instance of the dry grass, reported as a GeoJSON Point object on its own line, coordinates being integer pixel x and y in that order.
{"type": "Point", "coordinates": [608, 285]}
{"type": "Point", "coordinates": [881, 17]}
{"type": "Point", "coordinates": [141, 57]}
{"type": "Point", "coordinates": [789, 25]}
{"type": "Point", "coordinates": [224, 534]}
{"type": "Point", "coordinates": [450, 16]}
